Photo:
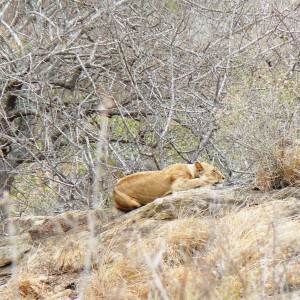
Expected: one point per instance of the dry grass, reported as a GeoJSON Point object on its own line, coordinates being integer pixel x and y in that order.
{"type": "Point", "coordinates": [255, 250]}
{"type": "Point", "coordinates": [253, 253]}
{"type": "Point", "coordinates": [26, 286]}
{"type": "Point", "coordinates": [154, 265]}
{"type": "Point", "coordinates": [280, 168]}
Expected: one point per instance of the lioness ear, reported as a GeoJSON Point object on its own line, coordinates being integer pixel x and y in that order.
{"type": "Point", "coordinates": [198, 166]}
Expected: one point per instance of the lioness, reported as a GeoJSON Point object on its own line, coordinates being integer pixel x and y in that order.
{"type": "Point", "coordinates": [138, 189]}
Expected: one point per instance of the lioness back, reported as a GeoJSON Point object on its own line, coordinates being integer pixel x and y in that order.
{"type": "Point", "coordinates": [145, 186]}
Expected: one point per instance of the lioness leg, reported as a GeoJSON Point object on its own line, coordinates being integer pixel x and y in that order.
{"type": "Point", "coordinates": [182, 184]}
{"type": "Point", "coordinates": [124, 202]}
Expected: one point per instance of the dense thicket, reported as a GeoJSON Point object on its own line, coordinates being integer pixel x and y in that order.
{"type": "Point", "coordinates": [92, 90]}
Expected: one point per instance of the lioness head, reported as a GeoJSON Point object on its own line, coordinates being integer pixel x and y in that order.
{"type": "Point", "coordinates": [210, 172]}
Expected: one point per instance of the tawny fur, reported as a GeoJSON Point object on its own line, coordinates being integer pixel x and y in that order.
{"type": "Point", "coordinates": [138, 189]}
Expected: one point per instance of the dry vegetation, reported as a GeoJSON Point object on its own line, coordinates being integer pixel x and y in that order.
{"type": "Point", "coordinates": [242, 254]}
{"type": "Point", "coordinates": [280, 168]}
{"type": "Point", "coordinates": [250, 252]}
{"type": "Point", "coordinates": [207, 80]}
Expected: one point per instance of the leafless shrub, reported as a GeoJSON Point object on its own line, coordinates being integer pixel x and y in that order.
{"type": "Point", "coordinates": [182, 76]}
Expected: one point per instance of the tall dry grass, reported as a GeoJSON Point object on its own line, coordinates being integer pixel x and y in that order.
{"type": "Point", "coordinates": [254, 252]}
{"type": "Point", "coordinates": [280, 168]}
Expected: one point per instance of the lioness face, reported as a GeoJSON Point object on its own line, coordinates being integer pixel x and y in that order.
{"type": "Point", "coordinates": [210, 172]}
